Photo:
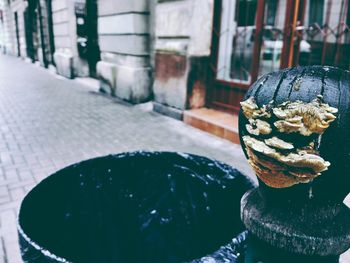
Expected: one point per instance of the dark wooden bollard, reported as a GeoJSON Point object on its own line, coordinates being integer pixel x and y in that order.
{"type": "Point", "coordinates": [295, 132]}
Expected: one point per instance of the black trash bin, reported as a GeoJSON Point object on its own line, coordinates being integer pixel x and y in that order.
{"type": "Point", "coordinates": [133, 207]}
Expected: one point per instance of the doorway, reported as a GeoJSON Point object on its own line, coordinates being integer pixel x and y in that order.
{"type": "Point", "coordinates": [254, 37]}
{"type": "Point", "coordinates": [39, 31]}
{"type": "Point", "coordinates": [87, 33]}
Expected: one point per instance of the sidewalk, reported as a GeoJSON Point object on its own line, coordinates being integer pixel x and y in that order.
{"type": "Point", "coordinates": [48, 122]}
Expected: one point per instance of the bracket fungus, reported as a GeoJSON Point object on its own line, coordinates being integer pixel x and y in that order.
{"type": "Point", "coordinates": [305, 118]}
{"type": "Point", "coordinates": [275, 161]}
{"type": "Point", "coordinates": [286, 133]}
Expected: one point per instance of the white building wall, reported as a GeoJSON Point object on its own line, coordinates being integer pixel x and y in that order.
{"type": "Point", "coordinates": [125, 39]}
{"type": "Point", "coordinates": [184, 26]}
{"type": "Point", "coordinates": [19, 7]}
{"type": "Point", "coordinates": [60, 19]}
{"type": "Point", "coordinates": [183, 31]}
{"type": "Point", "coordinates": [3, 27]}
{"type": "Point", "coordinates": [10, 29]}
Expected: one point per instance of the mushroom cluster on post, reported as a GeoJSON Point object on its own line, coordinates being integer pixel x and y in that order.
{"type": "Point", "coordinates": [295, 131]}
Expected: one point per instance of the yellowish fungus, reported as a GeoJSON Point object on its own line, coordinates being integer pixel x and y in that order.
{"type": "Point", "coordinates": [279, 163]}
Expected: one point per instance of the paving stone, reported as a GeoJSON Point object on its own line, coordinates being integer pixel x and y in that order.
{"type": "Point", "coordinates": [2, 251]}
{"type": "Point", "coordinates": [7, 218]}
{"type": "Point", "coordinates": [3, 191]}
{"type": "Point", "coordinates": [17, 194]}
{"type": "Point", "coordinates": [4, 199]}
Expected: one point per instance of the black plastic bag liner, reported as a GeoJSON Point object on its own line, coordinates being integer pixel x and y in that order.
{"type": "Point", "coordinates": [134, 207]}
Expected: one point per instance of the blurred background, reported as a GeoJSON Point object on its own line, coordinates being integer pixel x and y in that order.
{"type": "Point", "coordinates": [191, 60]}
{"type": "Point", "coordinates": [182, 55]}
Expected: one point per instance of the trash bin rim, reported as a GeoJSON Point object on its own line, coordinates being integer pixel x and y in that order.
{"type": "Point", "coordinates": [51, 255]}
{"type": "Point", "coordinates": [39, 248]}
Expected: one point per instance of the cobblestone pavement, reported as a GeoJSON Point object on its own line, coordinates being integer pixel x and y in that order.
{"type": "Point", "coordinates": [47, 123]}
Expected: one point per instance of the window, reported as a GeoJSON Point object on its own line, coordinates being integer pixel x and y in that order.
{"type": "Point", "coordinates": [271, 12]}
{"type": "Point", "coordinates": [316, 12]}
{"type": "Point", "coordinates": [245, 12]}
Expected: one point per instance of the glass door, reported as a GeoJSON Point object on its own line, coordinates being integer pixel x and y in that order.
{"type": "Point", "coordinates": [249, 40]}
{"type": "Point", "coordinates": [236, 44]}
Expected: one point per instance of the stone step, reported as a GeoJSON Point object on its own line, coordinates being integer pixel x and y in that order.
{"type": "Point", "coordinates": [221, 124]}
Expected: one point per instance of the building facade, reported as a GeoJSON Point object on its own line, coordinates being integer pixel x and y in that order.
{"type": "Point", "coordinates": [182, 54]}
{"type": "Point", "coordinates": [125, 33]}
{"type": "Point", "coordinates": [70, 23]}
{"type": "Point", "coordinates": [13, 40]}
{"type": "Point", "coordinates": [38, 31]}
{"type": "Point", "coordinates": [183, 32]}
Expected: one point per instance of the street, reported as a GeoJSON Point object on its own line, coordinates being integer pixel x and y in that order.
{"type": "Point", "coordinates": [48, 122]}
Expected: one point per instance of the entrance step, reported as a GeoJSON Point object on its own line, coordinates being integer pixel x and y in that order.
{"type": "Point", "coordinates": [221, 124]}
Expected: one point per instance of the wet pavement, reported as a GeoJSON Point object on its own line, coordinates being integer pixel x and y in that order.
{"type": "Point", "coordinates": [48, 122]}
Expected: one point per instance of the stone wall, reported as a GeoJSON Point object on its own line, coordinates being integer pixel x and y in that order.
{"type": "Point", "coordinates": [149, 48]}
{"type": "Point", "coordinates": [182, 49]}
{"type": "Point", "coordinates": [9, 23]}
{"type": "Point", "coordinates": [125, 39]}
{"type": "Point", "coordinates": [66, 55]}
{"type": "Point", "coordinates": [7, 45]}
{"type": "Point", "coordinates": [61, 27]}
